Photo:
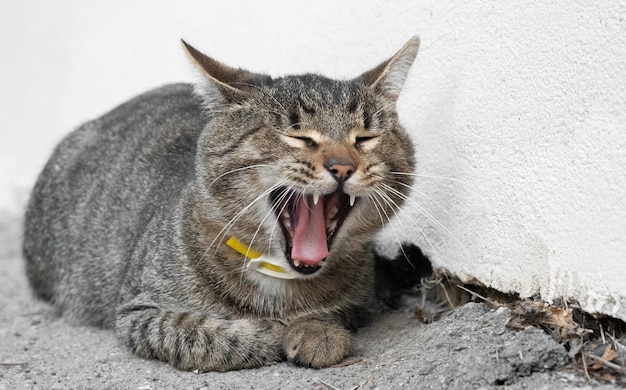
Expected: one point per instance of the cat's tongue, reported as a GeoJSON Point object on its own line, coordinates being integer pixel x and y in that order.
{"type": "Point", "coordinates": [309, 244]}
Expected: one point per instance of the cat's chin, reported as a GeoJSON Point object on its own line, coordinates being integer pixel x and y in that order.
{"type": "Point", "coordinates": [309, 224]}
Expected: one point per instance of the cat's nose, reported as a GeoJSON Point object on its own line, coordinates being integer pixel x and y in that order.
{"type": "Point", "coordinates": [341, 170]}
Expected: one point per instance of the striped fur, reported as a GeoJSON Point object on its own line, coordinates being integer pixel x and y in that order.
{"type": "Point", "coordinates": [126, 225]}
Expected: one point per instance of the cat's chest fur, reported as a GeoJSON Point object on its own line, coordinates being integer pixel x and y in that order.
{"type": "Point", "coordinates": [229, 226]}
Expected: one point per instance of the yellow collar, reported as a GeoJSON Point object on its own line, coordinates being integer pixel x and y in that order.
{"type": "Point", "coordinates": [276, 267]}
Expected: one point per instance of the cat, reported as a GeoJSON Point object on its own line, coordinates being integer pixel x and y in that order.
{"type": "Point", "coordinates": [225, 225]}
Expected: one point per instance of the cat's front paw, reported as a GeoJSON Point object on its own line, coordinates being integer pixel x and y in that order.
{"type": "Point", "coordinates": [316, 343]}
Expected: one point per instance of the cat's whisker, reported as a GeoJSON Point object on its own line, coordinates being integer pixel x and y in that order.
{"type": "Point", "coordinates": [377, 208]}
{"type": "Point", "coordinates": [228, 226]}
{"type": "Point", "coordinates": [381, 207]}
{"type": "Point", "coordinates": [281, 200]}
{"type": "Point", "coordinates": [412, 188]}
{"type": "Point", "coordinates": [421, 193]}
{"type": "Point", "coordinates": [415, 225]}
{"type": "Point", "coordinates": [238, 170]}
{"type": "Point", "coordinates": [393, 229]}
{"type": "Point", "coordinates": [422, 209]}
{"type": "Point", "coordinates": [427, 176]}
{"type": "Point", "coordinates": [269, 212]}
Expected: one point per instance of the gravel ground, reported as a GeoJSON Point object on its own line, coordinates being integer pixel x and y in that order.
{"type": "Point", "coordinates": [470, 348]}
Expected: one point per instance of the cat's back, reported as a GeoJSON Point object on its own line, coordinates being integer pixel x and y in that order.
{"type": "Point", "coordinates": [103, 184]}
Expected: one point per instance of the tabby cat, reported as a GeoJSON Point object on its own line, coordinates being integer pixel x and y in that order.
{"type": "Point", "coordinates": [226, 226]}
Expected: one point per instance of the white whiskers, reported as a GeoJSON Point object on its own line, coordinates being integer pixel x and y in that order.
{"type": "Point", "coordinates": [428, 176]}
{"type": "Point", "coordinates": [421, 208]}
{"type": "Point", "coordinates": [231, 223]}
{"type": "Point", "coordinates": [379, 205]}
{"type": "Point", "coordinates": [269, 212]}
{"type": "Point", "coordinates": [239, 169]}
{"type": "Point", "coordinates": [281, 199]}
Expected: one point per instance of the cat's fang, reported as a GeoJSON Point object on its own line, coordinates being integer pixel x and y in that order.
{"type": "Point", "coordinates": [352, 200]}
{"type": "Point", "coordinates": [316, 198]}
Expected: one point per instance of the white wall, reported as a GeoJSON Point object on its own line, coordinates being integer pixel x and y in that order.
{"type": "Point", "coordinates": [522, 110]}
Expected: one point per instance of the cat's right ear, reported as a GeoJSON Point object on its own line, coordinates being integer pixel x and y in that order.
{"type": "Point", "coordinates": [217, 83]}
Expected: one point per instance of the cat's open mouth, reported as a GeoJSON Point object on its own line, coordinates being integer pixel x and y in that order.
{"type": "Point", "coordinates": [309, 224]}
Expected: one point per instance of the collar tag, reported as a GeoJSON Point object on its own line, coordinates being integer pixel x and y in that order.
{"type": "Point", "coordinates": [275, 267]}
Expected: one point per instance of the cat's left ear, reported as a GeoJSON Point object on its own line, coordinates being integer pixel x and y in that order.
{"type": "Point", "coordinates": [218, 83]}
{"type": "Point", "coordinates": [388, 78]}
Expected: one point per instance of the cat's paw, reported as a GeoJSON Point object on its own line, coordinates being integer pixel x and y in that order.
{"type": "Point", "coordinates": [316, 343]}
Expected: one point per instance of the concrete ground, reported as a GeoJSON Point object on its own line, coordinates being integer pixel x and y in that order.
{"type": "Point", "coordinates": [470, 348]}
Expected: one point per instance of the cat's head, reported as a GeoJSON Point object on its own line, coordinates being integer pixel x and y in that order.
{"type": "Point", "coordinates": [303, 167]}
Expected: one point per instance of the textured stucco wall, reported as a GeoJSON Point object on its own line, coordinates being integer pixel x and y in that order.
{"type": "Point", "coordinates": [518, 109]}
{"type": "Point", "coordinates": [526, 107]}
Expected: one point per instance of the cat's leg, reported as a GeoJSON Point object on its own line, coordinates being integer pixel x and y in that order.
{"type": "Point", "coordinates": [316, 341]}
{"type": "Point", "coordinates": [197, 341]}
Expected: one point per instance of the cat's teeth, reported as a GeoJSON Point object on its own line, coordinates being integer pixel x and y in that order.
{"type": "Point", "coordinates": [287, 223]}
{"type": "Point", "coordinates": [285, 214]}
{"type": "Point", "coordinates": [316, 198]}
{"type": "Point", "coordinates": [352, 200]}
{"type": "Point", "coordinates": [296, 262]}
{"type": "Point", "coordinates": [332, 212]}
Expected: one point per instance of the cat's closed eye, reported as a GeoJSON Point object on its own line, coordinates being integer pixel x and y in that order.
{"type": "Point", "coordinates": [309, 142]}
{"type": "Point", "coordinates": [366, 142]}
{"type": "Point", "coordinates": [360, 140]}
